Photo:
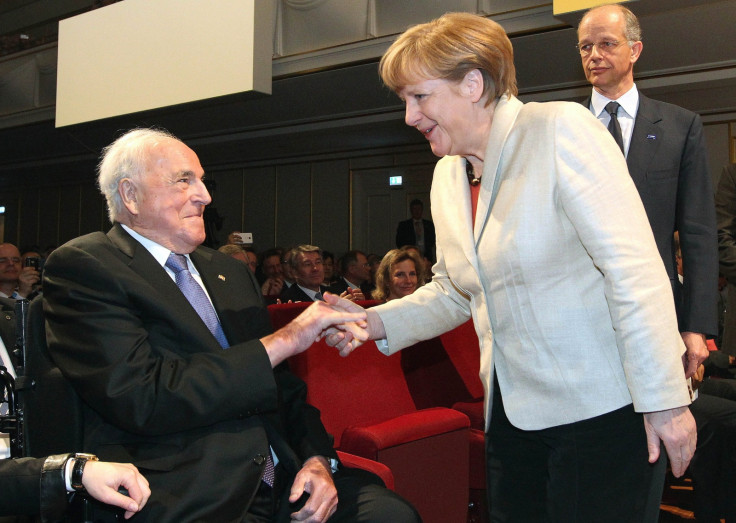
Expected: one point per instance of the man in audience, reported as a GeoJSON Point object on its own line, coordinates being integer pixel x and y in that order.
{"type": "Point", "coordinates": [234, 251]}
{"type": "Point", "coordinates": [667, 158]}
{"type": "Point", "coordinates": [250, 253]}
{"type": "Point", "coordinates": [354, 277]}
{"type": "Point", "coordinates": [273, 273]}
{"type": "Point", "coordinates": [306, 262]}
{"type": "Point", "coordinates": [287, 270]}
{"type": "Point", "coordinates": [16, 281]}
{"type": "Point", "coordinates": [417, 231]}
{"type": "Point", "coordinates": [171, 348]}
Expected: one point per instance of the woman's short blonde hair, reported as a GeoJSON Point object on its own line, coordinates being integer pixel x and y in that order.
{"type": "Point", "coordinates": [383, 273]}
{"type": "Point", "coordinates": [448, 48]}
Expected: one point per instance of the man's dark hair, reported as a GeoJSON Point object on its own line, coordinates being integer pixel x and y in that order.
{"type": "Point", "coordinates": [348, 258]}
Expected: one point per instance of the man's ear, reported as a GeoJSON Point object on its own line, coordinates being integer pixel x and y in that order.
{"type": "Point", "coordinates": [129, 194]}
{"type": "Point", "coordinates": [472, 84]}
{"type": "Point", "coordinates": [636, 49]}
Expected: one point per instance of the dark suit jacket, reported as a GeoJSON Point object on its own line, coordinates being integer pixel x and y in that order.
{"type": "Point", "coordinates": [341, 286]}
{"type": "Point", "coordinates": [405, 235]}
{"type": "Point", "coordinates": [7, 323]}
{"type": "Point", "coordinates": [295, 294]}
{"type": "Point", "coordinates": [23, 486]}
{"type": "Point", "coordinates": [726, 212]}
{"type": "Point", "coordinates": [667, 160]}
{"type": "Point", "coordinates": [160, 392]}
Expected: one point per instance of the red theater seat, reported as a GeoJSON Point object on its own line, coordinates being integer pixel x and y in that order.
{"type": "Point", "coordinates": [366, 405]}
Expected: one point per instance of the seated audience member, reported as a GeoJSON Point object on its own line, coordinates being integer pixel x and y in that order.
{"type": "Point", "coordinates": [273, 273]}
{"type": "Point", "coordinates": [713, 467]}
{"type": "Point", "coordinates": [171, 348]}
{"type": "Point", "coordinates": [400, 273]}
{"type": "Point", "coordinates": [328, 264]}
{"type": "Point", "coordinates": [33, 487]}
{"type": "Point", "coordinates": [306, 263]}
{"type": "Point", "coordinates": [287, 270]}
{"type": "Point", "coordinates": [234, 251]}
{"type": "Point", "coordinates": [354, 280]}
{"type": "Point", "coordinates": [374, 260]}
{"type": "Point", "coordinates": [16, 281]}
{"type": "Point", "coordinates": [250, 253]}
{"type": "Point", "coordinates": [426, 263]}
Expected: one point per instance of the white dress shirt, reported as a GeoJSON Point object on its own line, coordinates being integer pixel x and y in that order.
{"type": "Point", "coordinates": [629, 103]}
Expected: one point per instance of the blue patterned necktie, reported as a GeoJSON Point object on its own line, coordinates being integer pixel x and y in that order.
{"type": "Point", "coordinates": [196, 296]}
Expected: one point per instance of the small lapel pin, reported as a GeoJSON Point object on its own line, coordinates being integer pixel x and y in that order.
{"type": "Point", "coordinates": [651, 137]}
{"type": "Point", "coordinates": [221, 277]}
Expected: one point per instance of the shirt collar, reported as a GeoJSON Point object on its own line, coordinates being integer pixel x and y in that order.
{"type": "Point", "coordinates": [158, 251]}
{"type": "Point", "coordinates": [629, 102]}
{"type": "Point", "coordinates": [309, 292]}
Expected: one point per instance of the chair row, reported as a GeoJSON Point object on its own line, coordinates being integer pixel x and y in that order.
{"type": "Point", "coordinates": [398, 410]}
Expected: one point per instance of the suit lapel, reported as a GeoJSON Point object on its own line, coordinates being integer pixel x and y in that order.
{"type": "Point", "coordinates": [645, 139]}
{"type": "Point", "coordinates": [504, 117]}
{"type": "Point", "coordinates": [172, 299]}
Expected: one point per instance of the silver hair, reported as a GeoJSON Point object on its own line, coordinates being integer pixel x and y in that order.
{"type": "Point", "coordinates": [301, 249]}
{"type": "Point", "coordinates": [126, 157]}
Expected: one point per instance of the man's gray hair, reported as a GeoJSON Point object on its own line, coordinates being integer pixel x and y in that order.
{"type": "Point", "coordinates": [632, 29]}
{"type": "Point", "coordinates": [126, 157]}
{"type": "Point", "coordinates": [302, 249]}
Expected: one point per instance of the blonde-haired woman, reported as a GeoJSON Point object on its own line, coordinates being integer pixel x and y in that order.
{"type": "Point", "coordinates": [399, 274]}
{"type": "Point", "coordinates": [543, 240]}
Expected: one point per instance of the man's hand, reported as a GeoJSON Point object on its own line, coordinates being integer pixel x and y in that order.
{"type": "Point", "coordinates": [315, 477]}
{"type": "Point", "coordinates": [343, 341]}
{"type": "Point", "coordinates": [272, 287]}
{"type": "Point", "coordinates": [26, 280]}
{"type": "Point", "coordinates": [102, 481]}
{"type": "Point", "coordinates": [676, 429]}
{"type": "Point", "coordinates": [317, 320]}
{"type": "Point", "coordinates": [697, 351]}
{"type": "Point", "coordinates": [353, 294]}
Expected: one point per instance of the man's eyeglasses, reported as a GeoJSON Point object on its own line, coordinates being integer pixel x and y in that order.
{"type": "Point", "coordinates": [13, 260]}
{"type": "Point", "coordinates": [606, 46]}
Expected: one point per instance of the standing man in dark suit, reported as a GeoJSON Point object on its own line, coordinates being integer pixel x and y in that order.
{"type": "Point", "coordinates": [666, 155]}
{"type": "Point", "coordinates": [417, 231]}
{"type": "Point", "coordinates": [726, 212]}
{"type": "Point", "coordinates": [169, 344]}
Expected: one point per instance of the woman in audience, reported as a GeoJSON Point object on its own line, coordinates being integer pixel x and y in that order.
{"type": "Point", "coordinates": [543, 240]}
{"type": "Point", "coordinates": [400, 273]}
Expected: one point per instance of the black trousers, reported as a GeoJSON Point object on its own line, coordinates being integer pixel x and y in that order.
{"type": "Point", "coordinates": [713, 468]}
{"type": "Point", "coordinates": [362, 497]}
{"type": "Point", "coordinates": [592, 470]}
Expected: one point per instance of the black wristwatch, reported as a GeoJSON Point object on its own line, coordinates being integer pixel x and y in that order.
{"type": "Point", "coordinates": [80, 460]}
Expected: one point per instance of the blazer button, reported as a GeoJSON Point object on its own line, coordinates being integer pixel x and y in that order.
{"type": "Point", "coordinates": [259, 460]}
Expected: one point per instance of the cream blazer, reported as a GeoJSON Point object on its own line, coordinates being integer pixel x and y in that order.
{"type": "Point", "coordinates": [570, 299]}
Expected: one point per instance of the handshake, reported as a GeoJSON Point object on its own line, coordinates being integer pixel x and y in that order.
{"type": "Point", "coordinates": [342, 323]}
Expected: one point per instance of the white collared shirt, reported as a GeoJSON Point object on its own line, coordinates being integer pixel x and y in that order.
{"type": "Point", "coordinates": [312, 294]}
{"type": "Point", "coordinates": [161, 254]}
{"type": "Point", "coordinates": [629, 103]}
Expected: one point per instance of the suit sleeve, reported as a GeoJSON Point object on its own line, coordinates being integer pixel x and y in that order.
{"type": "Point", "coordinates": [599, 198]}
{"type": "Point", "coordinates": [696, 223]}
{"type": "Point", "coordinates": [129, 357]}
{"type": "Point", "coordinates": [726, 213]}
{"type": "Point", "coordinates": [24, 481]}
